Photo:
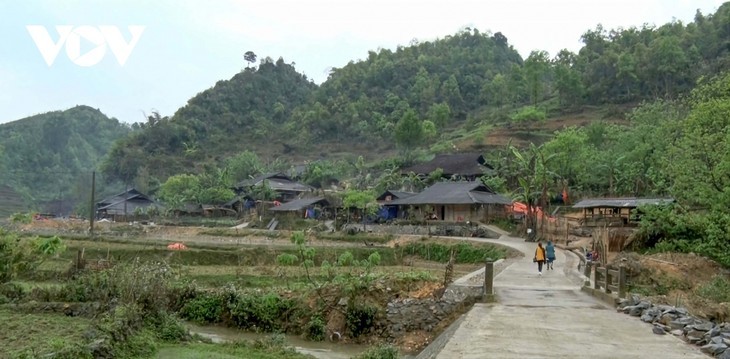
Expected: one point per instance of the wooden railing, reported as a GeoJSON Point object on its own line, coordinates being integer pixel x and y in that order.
{"type": "Point", "coordinates": [607, 279]}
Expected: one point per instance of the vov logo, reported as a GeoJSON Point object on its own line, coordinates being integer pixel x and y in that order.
{"type": "Point", "coordinates": [71, 37]}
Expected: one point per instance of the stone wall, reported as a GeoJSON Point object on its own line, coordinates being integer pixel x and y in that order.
{"type": "Point", "coordinates": [713, 338]}
{"type": "Point", "coordinates": [406, 315]}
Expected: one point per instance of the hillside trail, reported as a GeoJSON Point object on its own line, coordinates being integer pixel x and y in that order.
{"type": "Point", "coordinates": [549, 316]}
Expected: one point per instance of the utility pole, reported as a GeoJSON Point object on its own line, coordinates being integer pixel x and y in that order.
{"type": "Point", "coordinates": [92, 205]}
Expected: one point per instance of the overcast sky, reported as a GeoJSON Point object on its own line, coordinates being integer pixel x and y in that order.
{"type": "Point", "coordinates": [186, 46]}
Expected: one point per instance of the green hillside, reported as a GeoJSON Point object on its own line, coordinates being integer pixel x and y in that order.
{"type": "Point", "coordinates": [431, 95]}
{"type": "Point", "coordinates": [49, 157]}
{"type": "Point", "coordinates": [245, 112]}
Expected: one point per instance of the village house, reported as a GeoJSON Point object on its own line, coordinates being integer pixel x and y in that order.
{"type": "Point", "coordinates": [286, 189]}
{"type": "Point", "coordinates": [457, 202]}
{"type": "Point", "coordinates": [615, 211]}
{"type": "Point", "coordinates": [311, 208]}
{"type": "Point", "coordinates": [128, 203]}
{"type": "Point", "coordinates": [458, 166]}
{"type": "Point", "coordinates": [388, 210]}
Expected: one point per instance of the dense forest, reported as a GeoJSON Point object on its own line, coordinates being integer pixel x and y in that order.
{"type": "Point", "coordinates": [47, 159]}
{"type": "Point", "coordinates": [419, 95]}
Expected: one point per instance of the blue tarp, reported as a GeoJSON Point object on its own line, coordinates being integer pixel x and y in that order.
{"type": "Point", "coordinates": [388, 212]}
{"type": "Point", "coordinates": [310, 213]}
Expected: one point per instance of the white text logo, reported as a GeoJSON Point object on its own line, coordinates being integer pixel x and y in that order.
{"type": "Point", "coordinates": [71, 36]}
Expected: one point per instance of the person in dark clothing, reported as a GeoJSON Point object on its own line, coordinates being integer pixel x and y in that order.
{"type": "Point", "coordinates": [550, 253]}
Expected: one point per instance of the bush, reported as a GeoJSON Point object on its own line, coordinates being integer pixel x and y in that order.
{"type": "Point", "coordinates": [206, 308]}
{"type": "Point", "coordinates": [11, 292]}
{"type": "Point", "coordinates": [22, 255]}
{"type": "Point", "coordinates": [167, 327]}
{"type": "Point", "coordinates": [260, 312]}
{"type": "Point", "coordinates": [143, 284]}
{"type": "Point", "coordinates": [123, 335]}
{"type": "Point", "coordinates": [529, 114]}
{"type": "Point", "coordinates": [315, 329]}
{"type": "Point", "coordinates": [360, 318]}
{"type": "Point", "coordinates": [384, 351]}
{"type": "Point", "coordinates": [717, 290]}
{"type": "Point", "coordinates": [24, 218]}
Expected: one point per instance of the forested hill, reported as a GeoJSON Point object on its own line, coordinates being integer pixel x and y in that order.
{"type": "Point", "coordinates": [274, 110]}
{"type": "Point", "coordinates": [424, 95]}
{"type": "Point", "coordinates": [247, 111]}
{"type": "Point", "coordinates": [50, 156]}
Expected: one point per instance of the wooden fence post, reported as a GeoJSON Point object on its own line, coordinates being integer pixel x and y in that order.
{"type": "Point", "coordinates": [596, 276]}
{"type": "Point", "coordinates": [608, 280]}
{"type": "Point", "coordinates": [587, 270]}
{"type": "Point", "coordinates": [622, 282]}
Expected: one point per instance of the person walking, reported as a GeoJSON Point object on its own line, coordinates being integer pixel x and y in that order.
{"type": "Point", "coordinates": [539, 257]}
{"type": "Point", "coordinates": [550, 255]}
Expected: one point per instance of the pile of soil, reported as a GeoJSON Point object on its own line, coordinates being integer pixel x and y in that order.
{"type": "Point", "coordinates": [675, 279]}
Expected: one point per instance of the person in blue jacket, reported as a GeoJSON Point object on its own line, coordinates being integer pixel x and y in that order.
{"type": "Point", "coordinates": [550, 253]}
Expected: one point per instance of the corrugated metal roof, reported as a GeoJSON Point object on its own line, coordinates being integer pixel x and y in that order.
{"type": "Point", "coordinates": [300, 204]}
{"type": "Point", "coordinates": [627, 202]}
{"type": "Point", "coordinates": [454, 193]}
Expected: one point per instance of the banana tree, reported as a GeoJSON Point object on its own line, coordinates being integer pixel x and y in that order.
{"type": "Point", "coordinates": [534, 181]}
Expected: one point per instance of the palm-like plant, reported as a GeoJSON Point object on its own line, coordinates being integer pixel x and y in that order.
{"type": "Point", "coordinates": [534, 180]}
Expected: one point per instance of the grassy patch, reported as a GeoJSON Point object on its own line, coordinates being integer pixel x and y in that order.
{"type": "Point", "coordinates": [35, 335]}
{"type": "Point", "coordinates": [463, 252]}
{"type": "Point", "coordinates": [290, 277]}
{"type": "Point", "coordinates": [198, 254]}
{"type": "Point", "coordinates": [355, 238]}
{"type": "Point", "coordinates": [238, 350]}
{"type": "Point", "coordinates": [717, 290]}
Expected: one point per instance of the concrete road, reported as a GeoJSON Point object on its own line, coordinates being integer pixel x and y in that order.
{"type": "Point", "coordinates": [549, 317]}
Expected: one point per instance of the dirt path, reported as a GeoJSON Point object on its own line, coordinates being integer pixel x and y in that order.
{"type": "Point", "coordinates": [549, 317]}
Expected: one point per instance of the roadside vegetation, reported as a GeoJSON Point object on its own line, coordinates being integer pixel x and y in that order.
{"type": "Point", "coordinates": [129, 299]}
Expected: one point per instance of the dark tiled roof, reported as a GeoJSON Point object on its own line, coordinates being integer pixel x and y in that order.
{"type": "Point", "coordinates": [455, 193]}
{"type": "Point", "coordinates": [131, 206]}
{"type": "Point", "coordinates": [264, 176]}
{"type": "Point", "coordinates": [395, 195]}
{"type": "Point", "coordinates": [277, 182]}
{"type": "Point", "coordinates": [628, 202]}
{"type": "Point", "coordinates": [300, 204]}
{"type": "Point", "coordinates": [129, 195]}
{"type": "Point", "coordinates": [465, 164]}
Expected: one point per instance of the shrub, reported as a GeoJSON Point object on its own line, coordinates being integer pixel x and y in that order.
{"type": "Point", "coordinates": [360, 318]}
{"type": "Point", "coordinates": [384, 351]}
{"type": "Point", "coordinates": [260, 312]}
{"type": "Point", "coordinates": [18, 255]}
{"type": "Point", "coordinates": [315, 329]}
{"type": "Point", "coordinates": [11, 292]}
{"type": "Point", "coordinates": [167, 327]}
{"type": "Point", "coordinates": [206, 308]}
{"type": "Point", "coordinates": [24, 218]}
{"type": "Point", "coordinates": [123, 334]}
{"type": "Point", "coordinates": [717, 290]}
{"type": "Point", "coordinates": [529, 114]}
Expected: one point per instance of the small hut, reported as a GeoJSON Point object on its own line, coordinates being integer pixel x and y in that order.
{"type": "Point", "coordinates": [615, 211]}
{"type": "Point", "coordinates": [303, 208]}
